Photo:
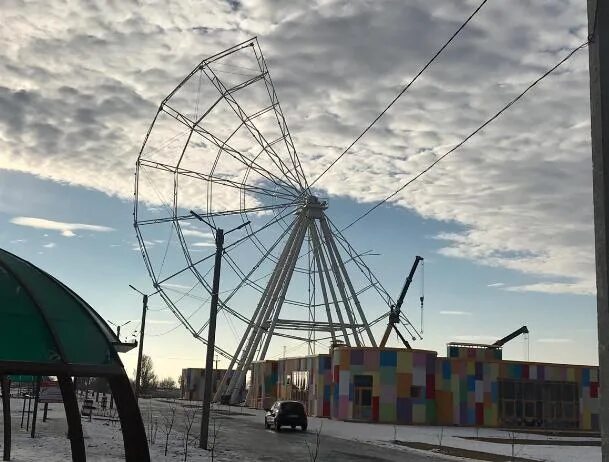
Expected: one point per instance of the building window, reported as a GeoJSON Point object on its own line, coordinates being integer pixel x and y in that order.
{"type": "Point", "coordinates": [538, 404]}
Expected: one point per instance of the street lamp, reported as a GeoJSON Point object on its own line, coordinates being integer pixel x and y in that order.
{"type": "Point", "coordinates": [138, 371]}
{"type": "Point", "coordinates": [118, 327]}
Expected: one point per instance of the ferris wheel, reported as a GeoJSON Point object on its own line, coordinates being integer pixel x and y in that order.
{"type": "Point", "coordinates": [219, 146]}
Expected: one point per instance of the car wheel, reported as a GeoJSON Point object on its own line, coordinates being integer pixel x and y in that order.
{"type": "Point", "coordinates": [266, 424]}
{"type": "Point", "coordinates": [304, 428]}
{"type": "Point", "coordinates": [277, 427]}
{"type": "Point", "coordinates": [293, 427]}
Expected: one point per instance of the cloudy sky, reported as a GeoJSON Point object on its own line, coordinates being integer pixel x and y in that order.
{"type": "Point", "coordinates": [505, 223]}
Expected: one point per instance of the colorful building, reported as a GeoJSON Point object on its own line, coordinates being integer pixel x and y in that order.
{"type": "Point", "coordinates": [193, 383]}
{"type": "Point", "coordinates": [472, 386]}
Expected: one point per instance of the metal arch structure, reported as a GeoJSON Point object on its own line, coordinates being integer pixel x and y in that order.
{"type": "Point", "coordinates": [219, 144]}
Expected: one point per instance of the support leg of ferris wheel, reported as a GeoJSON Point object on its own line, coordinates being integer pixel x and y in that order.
{"type": "Point", "coordinates": [286, 268]}
{"type": "Point", "coordinates": [259, 317]}
{"type": "Point", "coordinates": [249, 326]}
{"type": "Point", "coordinates": [330, 240]}
{"type": "Point", "coordinates": [324, 272]}
{"type": "Point", "coordinates": [285, 284]}
{"type": "Point", "coordinates": [341, 288]}
{"type": "Point", "coordinates": [322, 284]}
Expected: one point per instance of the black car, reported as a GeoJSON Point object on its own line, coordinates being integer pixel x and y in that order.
{"type": "Point", "coordinates": [286, 414]}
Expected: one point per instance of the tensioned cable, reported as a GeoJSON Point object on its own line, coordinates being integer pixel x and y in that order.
{"type": "Point", "coordinates": [471, 135]}
{"type": "Point", "coordinates": [404, 90]}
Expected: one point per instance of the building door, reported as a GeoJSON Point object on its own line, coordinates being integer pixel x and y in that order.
{"type": "Point", "coordinates": [362, 399]}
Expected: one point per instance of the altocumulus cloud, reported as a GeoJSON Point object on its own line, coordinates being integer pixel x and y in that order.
{"type": "Point", "coordinates": [66, 229]}
{"type": "Point", "coordinates": [80, 86]}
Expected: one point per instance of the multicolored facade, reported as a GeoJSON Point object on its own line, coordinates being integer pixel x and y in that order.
{"type": "Point", "coordinates": [471, 386]}
{"type": "Point", "coordinates": [193, 383]}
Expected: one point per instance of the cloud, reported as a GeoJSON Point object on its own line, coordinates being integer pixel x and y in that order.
{"type": "Point", "coordinates": [456, 313]}
{"type": "Point", "coordinates": [66, 229]}
{"type": "Point", "coordinates": [476, 338]}
{"type": "Point", "coordinates": [161, 321]}
{"type": "Point", "coordinates": [76, 90]}
{"type": "Point", "coordinates": [18, 241]}
{"type": "Point", "coordinates": [555, 340]}
{"type": "Point", "coordinates": [196, 233]}
{"type": "Point", "coordinates": [580, 287]}
{"type": "Point", "coordinates": [496, 284]}
{"type": "Point", "coordinates": [204, 244]}
{"type": "Point", "coordinates": [175, 286]}
{"type": "Point", "coordinates": [50, 245]}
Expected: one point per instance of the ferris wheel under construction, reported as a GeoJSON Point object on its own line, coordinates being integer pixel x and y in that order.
{"type": "Point", "coordinates": [219, 146]}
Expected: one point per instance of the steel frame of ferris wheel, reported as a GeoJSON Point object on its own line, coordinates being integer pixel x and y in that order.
{"type": "Point", "coordinates": [336, 287]}
{"type": "Point", "coordinates": [345, 317]}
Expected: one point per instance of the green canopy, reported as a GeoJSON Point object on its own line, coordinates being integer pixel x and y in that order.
{"type": "Point", "coordinates": [44, 323]}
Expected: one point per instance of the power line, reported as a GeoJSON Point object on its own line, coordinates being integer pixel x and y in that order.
{"type": "Point", "coordinates": [471, 135]}
{"type": "Point", "coordinates": [404, 90]}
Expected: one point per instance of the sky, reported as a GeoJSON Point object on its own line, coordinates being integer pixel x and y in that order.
{"type": "Point", "coordinates": [505, 223]}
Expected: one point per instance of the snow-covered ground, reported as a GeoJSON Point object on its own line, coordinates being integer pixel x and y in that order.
{"type": "Point", "coordinates": [104, 439]}
{"type": "Point", "coordinates": [453, 436]}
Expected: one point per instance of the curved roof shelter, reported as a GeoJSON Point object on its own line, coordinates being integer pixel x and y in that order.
{"type": "Point", "coordinates": [47, 329]}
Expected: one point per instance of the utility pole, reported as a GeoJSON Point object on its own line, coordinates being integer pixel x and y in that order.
{"type": "Point", "coordinates": [138, 372]}
{"type": "Point", "coordinates": [211, 340]}
{"type": "Point", "coordinates": [598, 48]}
{"type": "Point", "coordinates": [211, 329]}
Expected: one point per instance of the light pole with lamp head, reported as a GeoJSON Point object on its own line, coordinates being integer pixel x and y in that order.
{"type": "Point", "coordinates": [138, 371]}
{"type": "Point", "coordinates": [118, 327]}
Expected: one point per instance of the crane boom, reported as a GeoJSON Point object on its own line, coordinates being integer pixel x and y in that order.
{"type": "Point", "coordinates": [499, 343]}
{"type": "Point", "coordinates": [394, 313]}
{"type": "Point", "coordinates": [400, 301]}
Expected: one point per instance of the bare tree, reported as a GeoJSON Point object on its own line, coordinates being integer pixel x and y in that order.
{"type": "Point", "coordinates": [153, 425]}
{"type": "Point", "coordinates": [189, 419]}
{"type": "Point", "coordinates": [181, 383]}
{"type": "Point", "coordinates": [512, 437]}
{"type": "Point", "coordinates": [168, 421]}
{"type": "Point", "coordinates": [167, 384]}
{"type": "Point", "coordinates": [440, 438]}
{"type": "Point", "coordinates": [214, 439]}
{"type": "Point", "coordinates": [148, 379]}
{"type": "Point", "coordinates": [314, 451]}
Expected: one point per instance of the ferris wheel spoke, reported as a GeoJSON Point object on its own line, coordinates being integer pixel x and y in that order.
{"type": "Point", "coordinates": [283, 126]}
{"type": "Point", "coordinates": [226, 249]}
{"type": "Point", "coordinates": [283, 214]}
{"type": "Point", "coordinates": [227, 94]}
{"type": "Point", "coordinates": [225, 147]}
{"type": "Point", "coordinates": [247, 277]}
{"type": "Point", "coordinates": [361, 265]}
{"type": "Point", "coordinates": [251, 162]}
{"type": "Point", "coordinates": [251, 189]}
{"type": "Point", "coordinates": [177, 218]}
{"type": "Point", "coordinates": [223, 54]}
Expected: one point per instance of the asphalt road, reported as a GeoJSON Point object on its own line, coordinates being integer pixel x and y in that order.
{"type": "Point", "coordinates": [294, 445]}
{"type": "Point", "coordinates": [245, 438]}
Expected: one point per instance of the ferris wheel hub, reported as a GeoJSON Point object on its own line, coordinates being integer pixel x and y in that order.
{"type": "Point", "coordinates": [313, 207]}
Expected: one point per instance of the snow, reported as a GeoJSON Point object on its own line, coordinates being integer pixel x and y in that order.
{"type": "Point", "coordinates": [383, 434]}
{"type": "Point", "coordinates": [103, 438]}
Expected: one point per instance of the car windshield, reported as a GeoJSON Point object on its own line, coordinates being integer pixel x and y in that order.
{"type": "Point", "coordinates": [294, 408]}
